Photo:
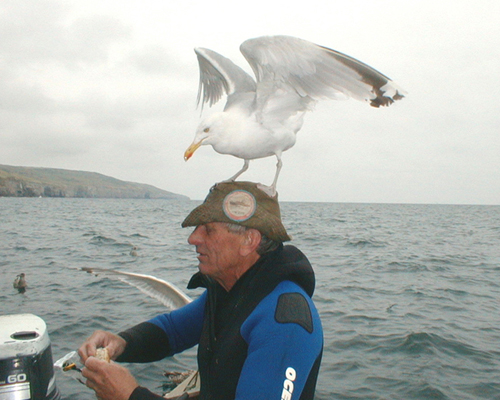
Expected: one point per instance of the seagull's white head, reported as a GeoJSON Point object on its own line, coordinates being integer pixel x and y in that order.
{"type": "Point", "coordinates": [208, 133]}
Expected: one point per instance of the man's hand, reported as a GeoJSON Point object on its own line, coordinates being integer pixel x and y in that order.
{"type": "Point", "coordinates": [110, 381]}
{"type": "Point", "coordinates": [113, 343]}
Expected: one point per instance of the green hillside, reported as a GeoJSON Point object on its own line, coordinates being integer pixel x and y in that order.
{"type": "Point", "coordinates": [51, 182]}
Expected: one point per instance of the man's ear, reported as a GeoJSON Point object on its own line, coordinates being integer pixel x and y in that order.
{"type": "Point", "coordinates": [251, 241]}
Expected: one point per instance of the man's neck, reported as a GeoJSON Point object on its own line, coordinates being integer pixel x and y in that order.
{"type": "Point", "coordinates": [227, 282]}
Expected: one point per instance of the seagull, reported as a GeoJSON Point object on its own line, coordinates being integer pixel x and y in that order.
{"type": "Point", "coordinates": [262, 116]}
{"type": "Point", "coordinates": [20, 283]}
{"type": "Point", "coordinates": [165, 292]}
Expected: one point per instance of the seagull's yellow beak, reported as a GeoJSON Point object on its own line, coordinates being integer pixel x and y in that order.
{"type": "Point", "coordinates": [191, 149]}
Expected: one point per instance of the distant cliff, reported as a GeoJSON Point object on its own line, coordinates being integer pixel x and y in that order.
{"type": "Point", "coordinates": [50, 182]}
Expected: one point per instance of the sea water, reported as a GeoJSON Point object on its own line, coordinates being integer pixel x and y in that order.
{"type": "Point", "coordinates": [409, 295]}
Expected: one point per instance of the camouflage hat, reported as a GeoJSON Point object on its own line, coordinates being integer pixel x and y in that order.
{"type": "Point", "coordinates": [241, 203]}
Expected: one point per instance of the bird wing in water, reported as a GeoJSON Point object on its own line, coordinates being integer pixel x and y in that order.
{"type": "Point", "coordinates": [163, 291]}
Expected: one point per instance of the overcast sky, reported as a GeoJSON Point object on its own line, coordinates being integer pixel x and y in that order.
{"type": "Point", "coordinates": [110, 86]}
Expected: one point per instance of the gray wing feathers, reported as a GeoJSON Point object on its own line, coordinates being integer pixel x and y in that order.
{"type": "Point", "coordinates": [383, 91]}
{"type": "Point", "coordinates": [218, 74]}
{"type": "Point", "coordinates": [316, 71]}
{"type": "Point", "coordinates": [163, 291]}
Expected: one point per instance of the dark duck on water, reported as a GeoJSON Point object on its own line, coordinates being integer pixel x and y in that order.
{"type": "Point", "coordinates": [20, 283]}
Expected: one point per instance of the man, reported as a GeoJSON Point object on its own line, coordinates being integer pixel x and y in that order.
{"type": "Point", "coordinates": [258, 331]}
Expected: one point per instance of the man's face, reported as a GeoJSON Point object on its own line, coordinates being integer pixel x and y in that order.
{"type": "Point", "coordinates": [218, 250]}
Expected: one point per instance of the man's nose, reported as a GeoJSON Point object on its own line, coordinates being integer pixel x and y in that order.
{"type": "Point", "coordinates": [195, 236]}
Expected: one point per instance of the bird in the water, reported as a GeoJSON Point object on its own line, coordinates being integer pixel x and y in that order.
{"type": "Point", "coordinates": [133, 252]}
{"type": "Point", "coordinates": [20, 283]}
{"type": "Point", "coordinates": [262, 117]}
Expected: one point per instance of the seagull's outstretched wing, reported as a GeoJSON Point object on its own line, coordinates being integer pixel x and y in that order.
{"type": "Point", "coordinates": [219, 74]}
{"type": "Point", "coordinates": [316, 71]}
{"type": "Point", "coordinates": [168, 294]}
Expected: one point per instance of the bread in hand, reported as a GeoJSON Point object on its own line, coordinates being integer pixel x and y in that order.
{"type": "Point", "coordinates": [102, 354]}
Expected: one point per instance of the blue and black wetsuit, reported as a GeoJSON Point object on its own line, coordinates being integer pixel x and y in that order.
{"type": "Point", "coordinates": [261, 340]}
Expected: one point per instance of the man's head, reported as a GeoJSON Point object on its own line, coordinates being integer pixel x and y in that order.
{"type": "Point", "coordinates": [225, 255]}
{"type": "Point", "coordinates": [244, 204]}
{"type": "Point", "coordinates": [235, 225]}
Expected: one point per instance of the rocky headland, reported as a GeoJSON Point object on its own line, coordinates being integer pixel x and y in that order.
{"type": "Point", "coordinates": [52, 182]}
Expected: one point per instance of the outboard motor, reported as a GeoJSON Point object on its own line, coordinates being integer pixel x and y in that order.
{"type": "Point", "coordinates": [26, 367]}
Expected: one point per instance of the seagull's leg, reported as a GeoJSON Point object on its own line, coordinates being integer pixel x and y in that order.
{"type": "Point", "coordinates": [245, 167]}
{"type": "Point", "coordinates": [279, 164]}
{"type": "Point", "coordinates": [271, 190]}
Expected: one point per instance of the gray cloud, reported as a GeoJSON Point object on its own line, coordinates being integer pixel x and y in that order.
{"type": "Point", "coordinates": [42, 31]}
{"type": "Point", "coordinates": [111, 87]}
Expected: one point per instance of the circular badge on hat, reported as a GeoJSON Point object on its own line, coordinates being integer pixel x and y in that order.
{"type": "Point", "coordinates": [239, 205]}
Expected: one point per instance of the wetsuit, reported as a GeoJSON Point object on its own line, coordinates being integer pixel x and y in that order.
{"type": "Point", "coordinates": [261, 340]}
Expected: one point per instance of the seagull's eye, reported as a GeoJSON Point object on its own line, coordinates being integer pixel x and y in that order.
{"type": "Point", "coordinates": [206, 130]}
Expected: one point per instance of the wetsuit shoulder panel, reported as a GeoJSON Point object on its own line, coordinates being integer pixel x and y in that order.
{"type": "Point", "coordinates": [293, 308]}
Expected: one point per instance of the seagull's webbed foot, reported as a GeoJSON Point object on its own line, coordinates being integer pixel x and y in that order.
{"type": "Point", "coordinates": [269, 190]}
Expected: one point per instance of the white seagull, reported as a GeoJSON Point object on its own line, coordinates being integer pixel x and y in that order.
{"type": "Point", "coordinates": [262, 117]}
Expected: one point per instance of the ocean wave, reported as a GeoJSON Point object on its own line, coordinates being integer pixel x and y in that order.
{"type": "Point", "coordinates": [136, 235]}
{"type": "Point", "coordinates": [405, 316]}
{"type": "Point", "coordinates": [407, 266]}
{"type": "Point", "coordinates": [364, 243]}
